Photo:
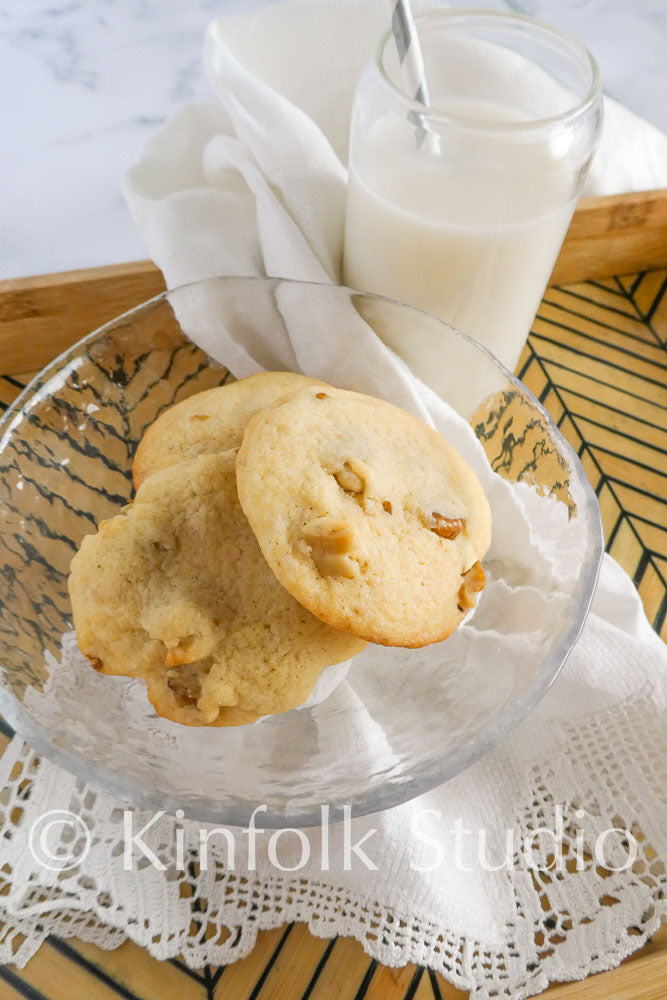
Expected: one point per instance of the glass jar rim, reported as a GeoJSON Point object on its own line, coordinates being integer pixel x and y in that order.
{"type": "Point", "coordinates": [436, 115]}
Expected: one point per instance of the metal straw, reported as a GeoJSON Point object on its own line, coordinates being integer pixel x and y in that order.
{"type": "Point", "coordinates": [411, 63]}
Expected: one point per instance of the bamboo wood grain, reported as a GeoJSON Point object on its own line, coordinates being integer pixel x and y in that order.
{"type": "Point", "coordinates": [614, 235]}
{"type": "Point", "coordinates": [42, 316]}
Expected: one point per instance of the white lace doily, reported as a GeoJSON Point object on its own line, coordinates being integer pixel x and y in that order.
{"type": "Point", "coordinates": [601, 769]}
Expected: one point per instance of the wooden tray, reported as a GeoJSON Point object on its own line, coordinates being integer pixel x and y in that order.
{"type": "Point", "coordinates": [596, 359]}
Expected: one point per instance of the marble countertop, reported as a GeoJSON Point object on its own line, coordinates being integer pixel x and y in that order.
{"type": "Point", "coordinates": [84, 83]}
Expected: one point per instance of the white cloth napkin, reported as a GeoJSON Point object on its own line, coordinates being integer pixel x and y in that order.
{"type": "Point", "coordinates": [255, 184]}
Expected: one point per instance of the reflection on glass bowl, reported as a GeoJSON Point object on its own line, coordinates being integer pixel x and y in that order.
{"type": "Point", "coordinates": [402, 721]}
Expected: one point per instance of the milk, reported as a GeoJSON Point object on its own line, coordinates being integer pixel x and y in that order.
{"type": "Point", "coordinates": [466, 226]}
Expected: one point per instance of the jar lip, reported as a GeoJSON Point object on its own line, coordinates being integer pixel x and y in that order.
{"type": "Point", "coordinates": [437, 115]}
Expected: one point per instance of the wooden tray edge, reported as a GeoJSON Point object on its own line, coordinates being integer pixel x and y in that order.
{"type": "Point", "coordinates": [41, 316]}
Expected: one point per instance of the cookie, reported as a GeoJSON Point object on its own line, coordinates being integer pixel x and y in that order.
{"type": "Point", "coordinates": [210, 422]}
{"type": "Point", "coordinates": [368, 517]}
{"type": "Point", "coordinates": [175, 591]}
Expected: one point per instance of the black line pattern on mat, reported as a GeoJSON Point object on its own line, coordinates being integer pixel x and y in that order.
{"type": "Point", "coordinates": [593, 378]}
{"type": "Point", "coordinates": [318, 969]}
{"type": "Point", "coordinates": [647, 318]}
{"type": "Point", "coordinates": [597, 359]}
{"type": "Point", "coordinates": [637, 282]}
{"type": "Point", "coordinates": [208, 981]}
{"type": "Point", "coordinates": [73, 955]}
{"type": "Point", "coordinates": [606, 406]}
{"type": "Point", "coordinates": [182, 967]}
{"type": "Point", "coordinates": [414, 983]}
{"type": "Point", "coordinates": [570, 292]}
{"type": "Point", "coordinates": [435, 985]}
{"type": "Point", "coordinates": [596, 322]}
{"type": "Point", "coordinates": [20, 985]}
{"type": "Point", "coordinates": [632, 461]}
{"type": "Point", "coordinates": [366, 981]}
{"type": "Point", "coordinates": [606, 480]}
{"type": "Point", "coordinates": [623, 434]}
{"type": "Point", "coordinates": [217, 976]}
{"type": "Point", "coordinates": [271, 962]}
{"type": "Point", "coordinates": [605, 288]}
{"type": "Point", "coordinates": [6, 729]}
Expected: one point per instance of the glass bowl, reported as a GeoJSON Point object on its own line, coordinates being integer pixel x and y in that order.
{"type": "Point", "coordinates": [403, 721]}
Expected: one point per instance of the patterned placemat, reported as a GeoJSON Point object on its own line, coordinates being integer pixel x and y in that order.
{"type": "Point", "coordinates": [596, 359]}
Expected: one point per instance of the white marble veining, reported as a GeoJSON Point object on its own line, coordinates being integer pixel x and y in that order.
{"type": "Point", "coordinates": [84, 83]}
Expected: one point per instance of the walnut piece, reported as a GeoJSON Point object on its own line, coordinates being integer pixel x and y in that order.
{"type": "Point", "coordinates": [186, 681]}
{"type": "Point", "coordinates": [186, 685]}
{"type": "Point", "coordinates": [447, 527]}
{"type": "Point", "coordinates": [183, 694]}
{"type": "Point", "coordinates": [348, 479]}
{"type": "Point", "coordinates": [473, 581]}
{"type": "Point", "coordinates": [331, 542]}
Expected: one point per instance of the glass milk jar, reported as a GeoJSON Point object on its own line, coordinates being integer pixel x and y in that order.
{"type": "Point", "coordinates": [460, 206]}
